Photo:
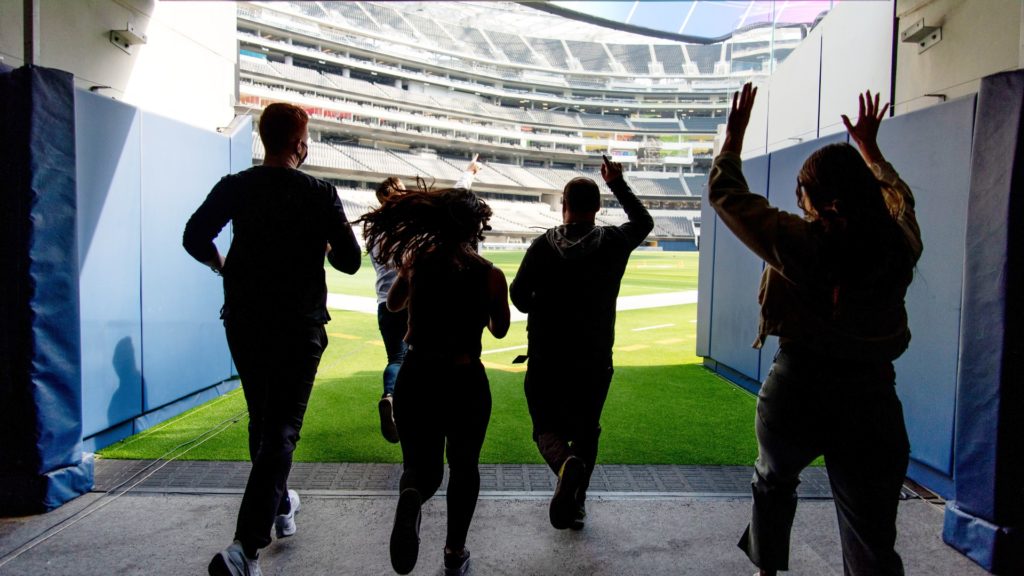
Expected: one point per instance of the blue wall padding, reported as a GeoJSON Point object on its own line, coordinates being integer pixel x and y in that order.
{"type": "Point", "coordinates": [184, 346]}
{"type": "Point", "coordinates": [985, 519]}
{"type": "Point", "coordinates": [932, 152]}
{"type": "Point", "coordinates": [734, 291]}
{"type": "Point", "coordinates": [41, 459]}
{"type": "Point", "coordinates": [241, 159]}
{"type": "Point", "coordinates": [110, 235]}
{"type": "Point", "coordinates": [134, 196]}
{"type": "Point", "coordinates": [705, 276]}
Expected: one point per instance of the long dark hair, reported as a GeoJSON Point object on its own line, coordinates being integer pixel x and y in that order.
{"type": "Point", "coordinates": [424, 221]}
{"type": "Point", "coordinates": [863, 245]}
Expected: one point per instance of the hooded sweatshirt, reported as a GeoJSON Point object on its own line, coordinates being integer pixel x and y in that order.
{"type": "Point", "coordinates": [569, 281]}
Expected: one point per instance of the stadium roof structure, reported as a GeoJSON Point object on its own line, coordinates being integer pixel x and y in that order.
{"type": "Point", "coordinates": [638, 21]}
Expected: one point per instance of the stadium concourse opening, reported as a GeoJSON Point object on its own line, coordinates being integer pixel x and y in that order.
{"type": "Point", "coordinates": [539, 94]}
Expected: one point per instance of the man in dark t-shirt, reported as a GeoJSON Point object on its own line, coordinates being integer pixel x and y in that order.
{"type": "Point", "coordinates": [275, 308]}
{"type": "Point", "coordinates": [568, 283]}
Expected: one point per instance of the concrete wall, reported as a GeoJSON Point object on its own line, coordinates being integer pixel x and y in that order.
{"type": "Point", "coordinates": [185, 71]}
{"type": "Point", "coordinates": [851, 50]}
{"type": "Point", "coordinates": [979, 38]}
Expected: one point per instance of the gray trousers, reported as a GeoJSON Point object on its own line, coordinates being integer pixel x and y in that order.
{"type": "Point", "coordinates": [847, 411]}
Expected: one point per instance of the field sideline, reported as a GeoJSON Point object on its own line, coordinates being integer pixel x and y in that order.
{"type": "Point", "coordinates": [663, 407]}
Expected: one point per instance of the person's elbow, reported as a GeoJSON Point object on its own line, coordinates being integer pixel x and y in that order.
{"type": "Point", "coordinates": [347, 261]}
{"type": "Point", "coordinates": [499, 325]}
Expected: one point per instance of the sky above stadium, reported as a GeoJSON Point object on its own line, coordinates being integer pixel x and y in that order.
{"type": "Point", "coordinates": [704, 18]}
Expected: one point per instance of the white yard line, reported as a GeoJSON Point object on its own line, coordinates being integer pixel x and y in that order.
{"type": "Point", "coordinates": [653, 327]}
{"type": "Point", "coordinates": [509, 349]}
{"type": "Point", "coordinates": [368, 304]}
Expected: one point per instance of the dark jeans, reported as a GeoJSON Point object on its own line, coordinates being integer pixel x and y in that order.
{"type": "Point", "coordinates": [393, 326]}
{"type": "Point", "coordinates": [277, 363]}
{"type": "Point", "coordinates": [439, 408]}
{"type": "Point", "coordinates": [566, 400]}
{"type": "Point", "coordinates": [847, 411]}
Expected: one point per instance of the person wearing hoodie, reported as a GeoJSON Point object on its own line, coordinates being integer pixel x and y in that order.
{"type": "Point", "coordinates": [568, 284]}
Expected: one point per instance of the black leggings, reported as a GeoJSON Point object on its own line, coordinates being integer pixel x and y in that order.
{"type": "Point", "coordinates": [439, 405]}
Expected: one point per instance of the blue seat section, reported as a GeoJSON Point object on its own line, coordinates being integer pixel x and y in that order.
{"type": "Point", "coordinates": [737, 273]}
{"type": "Point", "coordinates": [108, 135]}
{"type": "Point", "coordinates": [184, 345]}
{"type": "Point", "coordinates": [932, 152]}
{"type": "Point", "coordinates": [785, 165]}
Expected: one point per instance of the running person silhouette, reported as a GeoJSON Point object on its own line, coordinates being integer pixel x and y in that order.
{"type": "Point", "coordinates": [442, 397]}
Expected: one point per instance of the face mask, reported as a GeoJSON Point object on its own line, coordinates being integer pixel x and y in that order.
{"type": "Point", "coordinates": [305, 153]}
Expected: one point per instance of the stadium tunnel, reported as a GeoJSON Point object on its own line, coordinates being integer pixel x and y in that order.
{"type": "Point", "coordinates": [94, 286]}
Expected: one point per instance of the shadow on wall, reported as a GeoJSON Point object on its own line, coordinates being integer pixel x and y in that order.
{"type": "Point", "coordinates": [128, 377]}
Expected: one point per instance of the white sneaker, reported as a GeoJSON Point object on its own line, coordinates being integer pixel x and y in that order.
{"type": "Point", "coordinates": [285, 523]}
{"type": "Point", "coordinates": [232, 561]}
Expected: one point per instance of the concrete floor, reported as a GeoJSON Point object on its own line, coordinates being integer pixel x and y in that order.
{"type": "Point", "coordinates": [346, 533]}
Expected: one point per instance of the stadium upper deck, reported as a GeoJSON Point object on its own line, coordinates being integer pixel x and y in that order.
{"type": "Point", "coordinates": [414, 88]}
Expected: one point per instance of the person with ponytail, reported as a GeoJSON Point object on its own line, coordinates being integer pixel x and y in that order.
{"type": "Point", "coordinates": [442, 399]}
{"type": "Point", "coordinates": [833, 292]}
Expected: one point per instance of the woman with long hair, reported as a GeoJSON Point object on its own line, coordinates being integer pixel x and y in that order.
{"type": "Point", "coordinates": [833, 291]}
{"type": "Point", "coordinates": [393, 325]}
{"type": "Point", "coordinates": [442, 399]}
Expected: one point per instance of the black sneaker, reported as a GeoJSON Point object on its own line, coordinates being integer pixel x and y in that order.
{"type": "Point", "coordinates": [405, 535]}
{"type": "Point", "coordinates": [456, 564]}
{"type": "Point", "coordinates": [580, 518]}
{"type": "Point", "coordinates": [563, 504]}
{"type": "Point", "coordinates": [387, 419]}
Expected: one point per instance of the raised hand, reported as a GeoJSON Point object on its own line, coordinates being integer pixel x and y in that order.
{"type": "Point", "coordinates": [611, 171]}
{"type": "Point", "coordinates": [739, 117]}
{"type": "Point", "coordinates": [865, 131]}
{"type": "Point", "coordinates": [474, 166]}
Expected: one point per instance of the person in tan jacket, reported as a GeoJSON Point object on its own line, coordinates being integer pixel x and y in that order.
{"type": "Point", "coordinates": [833, 291]}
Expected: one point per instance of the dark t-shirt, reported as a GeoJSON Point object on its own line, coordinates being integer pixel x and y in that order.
{"type": "Point", "coordinates": [282, 221]}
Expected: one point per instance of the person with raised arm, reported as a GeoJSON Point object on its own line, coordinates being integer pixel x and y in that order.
{"type": "Point", "coordinates": [275, 308]}
{"type": "Point", "coordinates": [568, 284]}
{"type": "Point", "coordinates": [833, 291]}
{"type": "Point", "coordinates": [442, 397]}
{"type": "Point", "coordinates": [392, 325]}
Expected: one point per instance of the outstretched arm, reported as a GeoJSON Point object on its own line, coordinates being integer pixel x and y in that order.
{"type": "Point", "coordinates": [640, 222]}
{"type": "Point", "coordinates": [897, 194]}
{"type": "Point", "coordinates": [466, 180]}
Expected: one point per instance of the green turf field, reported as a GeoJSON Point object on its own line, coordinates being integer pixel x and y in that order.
{"type": "Point", "coordinates": [663, 408]}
